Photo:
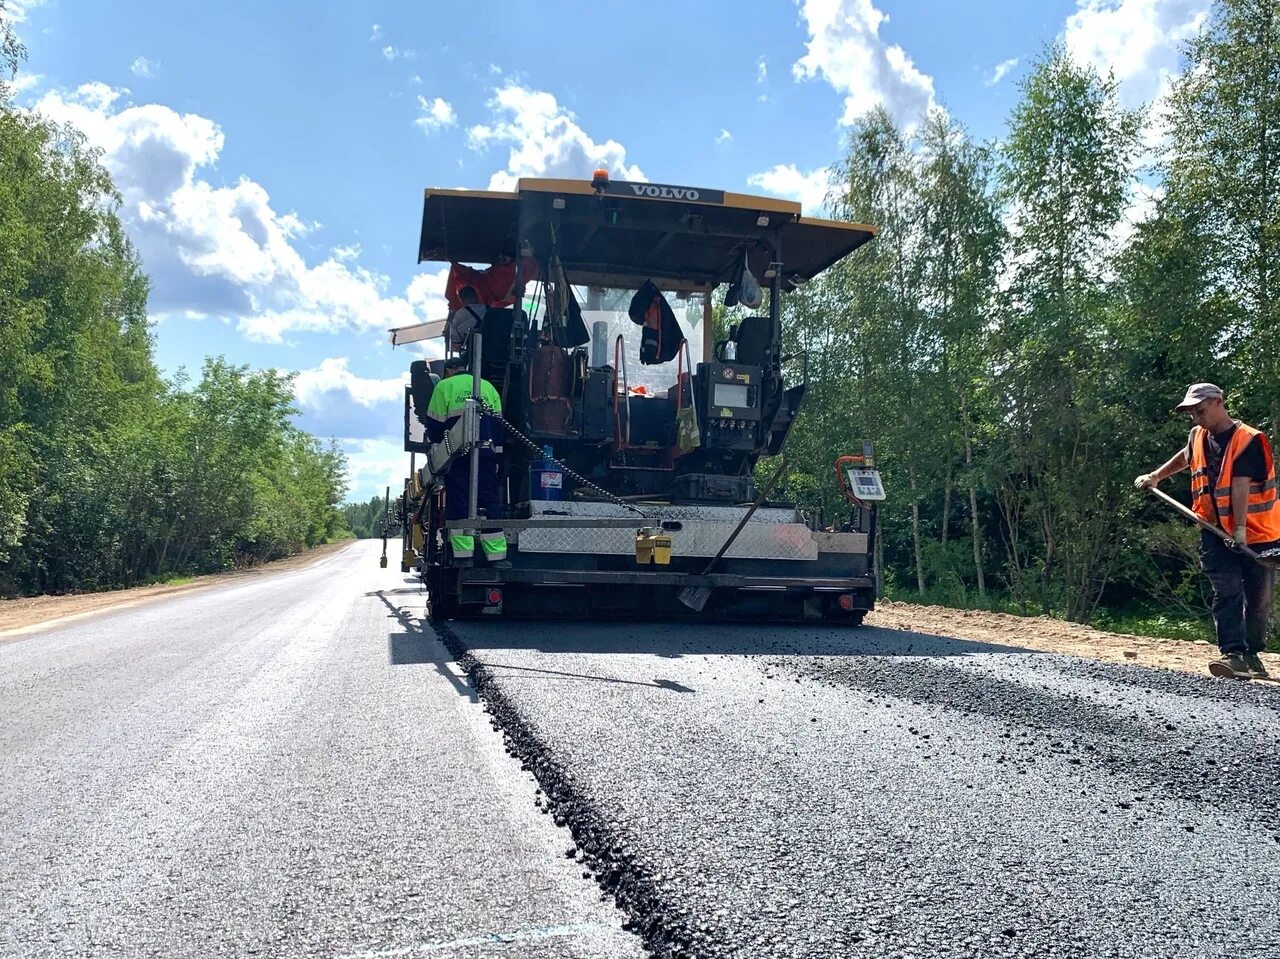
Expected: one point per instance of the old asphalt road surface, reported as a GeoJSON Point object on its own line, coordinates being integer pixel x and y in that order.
{"type": "Point", "coordinates": [286, 766]}
{"type": "Point", "coordinates": [293, 766]}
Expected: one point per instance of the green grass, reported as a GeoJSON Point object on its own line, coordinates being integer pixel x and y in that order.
{"type": "Point", "coordinates": [175, 579]}
{"type": "Point", "coordinates": [1159, 625]}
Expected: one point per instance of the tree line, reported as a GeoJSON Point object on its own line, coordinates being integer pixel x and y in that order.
{"type": "Point", "coordinates": [109, 474]}
{"type": "Point", "coordinates": [365, 520]}
{"type": "Point", "coordinates": [1014, 343]}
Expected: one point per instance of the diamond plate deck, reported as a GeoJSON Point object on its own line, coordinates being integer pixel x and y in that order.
{"type": "Point", "coordinates": [664, 511]}
{"type": "Point", "coordinates": [773, 533]}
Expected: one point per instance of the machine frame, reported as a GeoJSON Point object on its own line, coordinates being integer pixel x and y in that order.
{"type": "Point", "coordinates": [648, 529]}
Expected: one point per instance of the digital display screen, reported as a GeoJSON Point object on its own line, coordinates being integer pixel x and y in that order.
{"type": "Point", "coordinates": [730, 394]}
{"type": "Point", "coordinates": [866, 484]}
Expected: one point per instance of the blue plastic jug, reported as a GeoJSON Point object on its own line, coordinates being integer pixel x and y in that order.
{"type": "Point", "coordinates": [546, 478]}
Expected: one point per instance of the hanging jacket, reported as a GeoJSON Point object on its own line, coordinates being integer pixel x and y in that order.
{"type": "Point", "coordinates": [494, 285]}
{"type": "Point", "coordinates": [661, 336]}
{"type": "Point", "coordinates": [1262, 521]}
{"type": "Point", "coordinates": [567, 325]}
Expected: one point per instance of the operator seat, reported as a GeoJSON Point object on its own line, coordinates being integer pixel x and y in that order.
{"type": "Point", "coordinates": [495, 351]}
{"type": "Point", "coordinates": [422, 383]}
{"type": "Point", "coordinates": [752, 338]}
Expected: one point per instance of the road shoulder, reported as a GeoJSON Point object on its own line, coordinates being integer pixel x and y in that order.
{"type": "Point", "coordinates": [1048, 635]}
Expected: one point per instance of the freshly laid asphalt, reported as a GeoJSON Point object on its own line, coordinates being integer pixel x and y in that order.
{"type": "Point", "coordinates": [865, 792]}
{"type": "Point", "coordinates": [299, 765]}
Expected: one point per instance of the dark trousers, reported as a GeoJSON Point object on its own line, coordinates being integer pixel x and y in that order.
{"type": "Point", "coordinates": [457, 482]}
{"type": "Point", "coordinates": [1242, 594]}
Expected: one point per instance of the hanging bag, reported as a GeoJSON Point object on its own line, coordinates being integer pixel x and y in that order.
{"type": "Point", "coordinates": [688, 436]}
{"type": "Point", "coordinates": [749, 293]}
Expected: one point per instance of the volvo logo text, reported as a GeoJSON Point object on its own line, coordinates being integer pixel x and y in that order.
{"type": "Point", "coordinates": [664, 192]}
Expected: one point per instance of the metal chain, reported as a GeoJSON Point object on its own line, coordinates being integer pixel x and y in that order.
{"type": "Point", "coordinates": [581, 480]}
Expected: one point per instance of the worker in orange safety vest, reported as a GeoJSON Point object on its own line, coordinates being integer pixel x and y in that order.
{"type": "Point", "coordinates": [1233, 486]}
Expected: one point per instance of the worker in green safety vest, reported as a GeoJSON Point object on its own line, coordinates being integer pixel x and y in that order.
{"type": "Point", "coordinates": [447, 403]}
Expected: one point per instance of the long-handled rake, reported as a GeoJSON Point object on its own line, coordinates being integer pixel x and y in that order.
{"type": "Point", "coordinates": [1270, 557]}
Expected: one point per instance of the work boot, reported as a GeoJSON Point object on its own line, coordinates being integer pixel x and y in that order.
{"type": "Point", "coordinates": [1256, 667]}
{"type": "Point", "coordinates": [1230, 663]}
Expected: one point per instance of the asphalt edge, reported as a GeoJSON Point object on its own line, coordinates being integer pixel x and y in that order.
{"type": "Point", "coordinates": [605, 853]}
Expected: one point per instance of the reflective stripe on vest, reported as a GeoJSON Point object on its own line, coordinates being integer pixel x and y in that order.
{"type": "Point", "coordinates": [1262, 511]}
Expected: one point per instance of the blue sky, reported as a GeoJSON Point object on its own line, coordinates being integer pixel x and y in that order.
{"type": "Point", "coordinates": [272, 156]}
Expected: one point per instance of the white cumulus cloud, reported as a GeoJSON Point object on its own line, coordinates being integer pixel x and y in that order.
{"type": "Point", "coordinates": [375, 32]}
{"type": "Point", "coordinates": [220, 251]}
{"type": "Point", "coordinates": [144, 68]}
{"type": "Point", "coordinates": [545, 140]}
{"type": "Point", "coordinates": [724, 136]}
{"type": "Point", "coordinates": [845, 49]}
{"type": "Point", "coordinates": [373, 465]}
{"type": "Point", "coordinates": [1000, 72]}
{"type": "Point", "coordinates": [436, 114]}
{"type": "Point", "coordinates": [18, 10]}
{"type": "Point", "coordinates": [24, 82]}
{"type": "Point", "coordinates": [425, 294]}
{"type": "Point", "coordinates": [334, 377]}
{"type": "Point", "coordinates": [1137, 40]}
{"type": "Point", "coordinates": [787, 181]}
{"type": "Point", "coordinates": [333, 400]}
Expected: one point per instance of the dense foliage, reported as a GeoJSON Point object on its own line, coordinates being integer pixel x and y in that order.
{"type": "Point", "coordinates": [108, 475]}
{"type": "Point", "coordinates": [1014, 342]}
{"type": "Point", "coordinates": [366, 519]}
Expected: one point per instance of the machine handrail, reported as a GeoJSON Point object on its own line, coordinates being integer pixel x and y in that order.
{"type": "Point", "coordinates": [620, 363]}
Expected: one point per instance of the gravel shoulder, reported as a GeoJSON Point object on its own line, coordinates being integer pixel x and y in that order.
{"type": "Point", "coordinates": [1047, 635]}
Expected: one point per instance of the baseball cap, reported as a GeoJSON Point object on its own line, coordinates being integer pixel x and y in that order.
{"type": "Point", "coordinates": [1198, 393]}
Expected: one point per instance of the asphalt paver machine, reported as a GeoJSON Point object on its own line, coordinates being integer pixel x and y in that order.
{"type": "Point", "coordinates": [631, 432]}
